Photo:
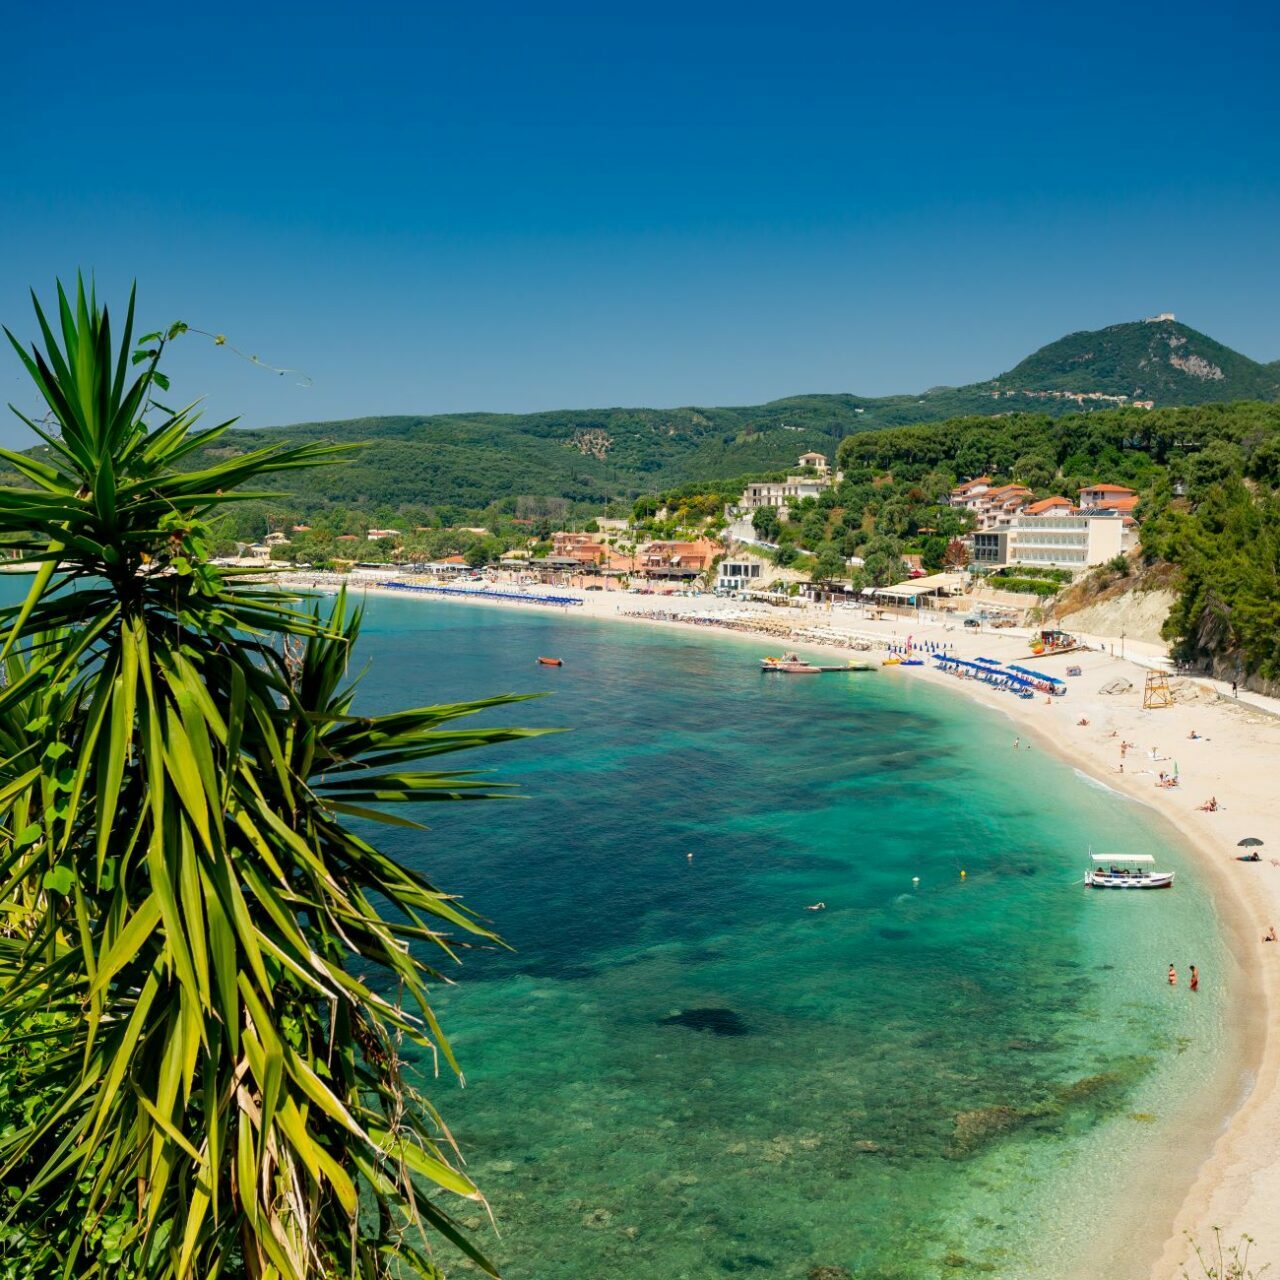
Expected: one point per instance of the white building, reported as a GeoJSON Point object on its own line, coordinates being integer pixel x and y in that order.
{"type": "Point", "coordinates": [740, 571]}
{"type": "Point", "coordinates": [1062, 541]}
{"type": "Point", "coordinates": [779, 493]}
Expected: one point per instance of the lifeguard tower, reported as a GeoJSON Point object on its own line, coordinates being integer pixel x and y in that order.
{"type": "Point", "coordinates": [1157, 692]}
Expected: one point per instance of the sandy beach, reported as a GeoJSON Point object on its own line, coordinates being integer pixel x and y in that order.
{"type": "Point", "coordinates": [1218, 747]}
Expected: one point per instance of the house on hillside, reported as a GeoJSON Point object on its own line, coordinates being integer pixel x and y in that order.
{"type": "Point", "coordinates": [1107, 495]}
{"type": "Point", "coordinates": [779, 493]}
{"type": "Point", "coordinates": [1050, 506]}
{"type": "Point", "coordinates": [996, 507]}
{"type": "Point", "coordinates": [969, 494]}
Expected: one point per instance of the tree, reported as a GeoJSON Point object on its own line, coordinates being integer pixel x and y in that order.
{"type": "Point", "coordinates": [1218, 461]}
{"type": "Point", "coordinates": [1034, 471]}
{"type": "Point", "coordinates": [194, 961]}
{"type": "Point", "coordinates": [764, 520]}
{"type": "Point", "coordinates": [830, 564]}
{"type": "Point", "coordinates": [956, 556]}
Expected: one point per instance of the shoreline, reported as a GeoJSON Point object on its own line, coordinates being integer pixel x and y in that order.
{"type": "Point", "coordinates": [1235, 1148]}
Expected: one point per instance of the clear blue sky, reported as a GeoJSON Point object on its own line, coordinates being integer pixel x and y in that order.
{"type": "Point", "coordinates": [440, 207]}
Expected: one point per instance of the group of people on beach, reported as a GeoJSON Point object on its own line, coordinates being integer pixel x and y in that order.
{"type": "Point", "coordinates": [1195, 977]}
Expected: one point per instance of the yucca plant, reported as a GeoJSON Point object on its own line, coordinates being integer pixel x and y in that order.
{"type": "Point", "coordinates": [207, 975]}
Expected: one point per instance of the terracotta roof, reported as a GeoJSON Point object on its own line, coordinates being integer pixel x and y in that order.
{"type": "Point", "coordinates": [1047, 504]}
{"type": "Point", "coordinates": [1105, 488]}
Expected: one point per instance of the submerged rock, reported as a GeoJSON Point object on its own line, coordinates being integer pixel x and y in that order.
{"type": "Point", "coordinates": [830, 1273]}
{"type": "Point", "coordinates": [1089, 1087]}
{"type": "Point", "coordinates": [719, 1022]}
{"type": "Point", "coordinates": [973, 1128]}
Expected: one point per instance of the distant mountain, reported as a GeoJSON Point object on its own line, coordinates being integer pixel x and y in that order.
{"type": "Point", "coordinates": [597, 455]}
{"type": "Point", "coordinates": [1159, 360]}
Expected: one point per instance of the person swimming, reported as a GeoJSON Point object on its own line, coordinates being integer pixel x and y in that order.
{"type": "Point", "coordinates": [1173, 976]}
{"type": "Point", "coordinates": [816, 906]}
{"type": "Point", "coordinates": [1195, 978]}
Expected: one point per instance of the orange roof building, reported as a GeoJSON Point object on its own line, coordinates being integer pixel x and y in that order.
{"type": "Point", "coordinates": [1055, 504]}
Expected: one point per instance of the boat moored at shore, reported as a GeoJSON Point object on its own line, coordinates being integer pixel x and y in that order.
{"type": "Point", "coordinates": [1126, 871]}
{"type": "Point", "coordinates": [790, 664]}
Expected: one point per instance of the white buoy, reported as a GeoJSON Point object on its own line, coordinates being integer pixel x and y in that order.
{"type": "Point", "coordinates": [915, 880]}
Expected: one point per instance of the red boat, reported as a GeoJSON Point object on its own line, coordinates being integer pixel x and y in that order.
{"type": "Point", "coordinates": [551, 662]}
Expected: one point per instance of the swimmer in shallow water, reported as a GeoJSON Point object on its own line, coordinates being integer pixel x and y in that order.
{"type": "Point", "coordinates": [816, 906]}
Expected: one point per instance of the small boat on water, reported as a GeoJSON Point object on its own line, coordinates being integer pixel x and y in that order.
{"type": "Point", "coordinates": [1126, 871]}
{"type": "Point", "coordinates": [551, 662]}
{"type": "Point", "coordinates": [790, 664]}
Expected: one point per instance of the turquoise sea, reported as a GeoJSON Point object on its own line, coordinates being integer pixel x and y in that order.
{"type": "Point", "coordinates": [681, 1073]}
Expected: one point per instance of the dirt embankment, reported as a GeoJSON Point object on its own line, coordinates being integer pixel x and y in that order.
{"type": "Point", "coordinates": [1106, 603]}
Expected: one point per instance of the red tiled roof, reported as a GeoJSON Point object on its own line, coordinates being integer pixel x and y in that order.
{"type": "Point", "coordinates": [1047, 504]}
{"type": "Point", "coordinates": [1105, 488]}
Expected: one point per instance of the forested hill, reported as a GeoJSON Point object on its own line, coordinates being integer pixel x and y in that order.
{"type": "Point", "coordinates": [1209, 479]}
{"type": "Point", "coordinates": [469, 461]}
{"type": "Point", "coordinates": [1157, 360]}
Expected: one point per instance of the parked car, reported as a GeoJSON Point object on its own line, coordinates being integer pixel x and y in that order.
{"type": "Point", "coordinates": [972, 622]}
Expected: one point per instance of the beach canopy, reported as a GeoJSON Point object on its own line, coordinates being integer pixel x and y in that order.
{"type": "Point", "coordinates": [1035, 675]}
{"type": "Point", "coordinates": [996, 675]}
{"type": "Point", "coordinates": [1249, 842]}
{"type": "Point", "coordinates": [947, 583]}
{"type": "Point", "coordinates": [1142, 858]}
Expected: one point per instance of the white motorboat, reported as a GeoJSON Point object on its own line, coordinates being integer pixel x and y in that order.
{"type": "Point", "coordinates": [1126, 871]}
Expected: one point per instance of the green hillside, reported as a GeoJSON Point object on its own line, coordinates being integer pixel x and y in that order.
{"type": "Point", "coordinates": [1158, 360]}
{"type": "Point", "coordinates": [471, 461]}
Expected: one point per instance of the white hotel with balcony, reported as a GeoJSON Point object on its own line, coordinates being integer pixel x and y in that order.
{"type": "Point", "coordinates": [1054, 534]}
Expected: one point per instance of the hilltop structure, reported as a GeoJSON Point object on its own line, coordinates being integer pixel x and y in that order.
{"type": "Point", "coordinates": [814, 479]}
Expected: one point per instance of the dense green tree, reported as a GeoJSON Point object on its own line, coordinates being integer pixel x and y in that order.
{"type": "Point", "coordinates": [830, 563]}
{"type": "Point", "coordinates": [1035, 471]}
{"type": "Point", "coordinates": [764, 520]}
{"type": "Point", "coordinates": [209, 974]}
